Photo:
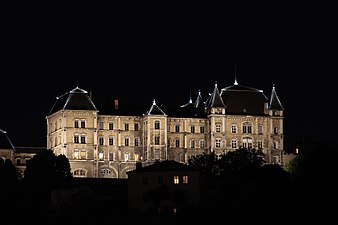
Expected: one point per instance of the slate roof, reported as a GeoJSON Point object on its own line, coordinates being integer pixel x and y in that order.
{"type": "Point", "coordinates": [164, 166]}
{"type": "Point", "coordinates": [215, 99]}
{"type": "Point", "coordinates": [155, 110]}
{"type": "Point", "coordinates": [5, 142]}
{"type": "Point", "coordinates": [275, 104]}
{"type": "Point", "coordinates": [240, 99]}
{"type": "Point", "coordinates": [76, 99]}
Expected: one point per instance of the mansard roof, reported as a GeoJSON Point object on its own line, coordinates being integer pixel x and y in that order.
{"type": "Point", "coordinates": [76, 99]}
{"type": "Point", "coordinates": [5, 142]}
{"type": "Point", "coordinates": [240, 99]}
{"type": "Point", "coordinates": [274, 100]}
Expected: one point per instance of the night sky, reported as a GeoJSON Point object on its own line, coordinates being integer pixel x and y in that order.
{"type": "Point", "coordinates": [166, 54]}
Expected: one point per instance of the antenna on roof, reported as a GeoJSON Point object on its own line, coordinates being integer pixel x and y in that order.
{"type": "Point", "coordinates": [235, 83]}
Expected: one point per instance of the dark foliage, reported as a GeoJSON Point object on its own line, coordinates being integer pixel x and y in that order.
{"type": "Point", "coordinates": [48, 169]}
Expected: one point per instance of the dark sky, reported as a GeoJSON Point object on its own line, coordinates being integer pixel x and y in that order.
{"type": "Point", "coordinates": [165, 52]}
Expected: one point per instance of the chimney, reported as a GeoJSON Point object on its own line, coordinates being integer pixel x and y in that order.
{"type": "Point", "coordinates": [116, 104]}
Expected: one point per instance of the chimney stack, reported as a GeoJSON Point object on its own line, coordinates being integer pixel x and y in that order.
{"type": "Point", "coordinates": [116, 104]}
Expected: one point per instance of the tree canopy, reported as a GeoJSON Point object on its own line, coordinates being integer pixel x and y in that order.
{"type": "Point", "coordinates": [45, 167]}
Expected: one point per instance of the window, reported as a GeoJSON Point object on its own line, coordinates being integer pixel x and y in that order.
{"type": "Point", "coordinates": [275, 145]}
{"type": "Point", "coordinates": [192, 129]}
{"type": "Point", "coordinates": [83, 139]}
{"type": "Point", "coordinates": [100, 155]}
{"type": "Point", "coordinates": [202, 129]}
{"type": "Point", "coordinates": [260, 129]}
{"type": "Point", "coordinates": [126, 156]}
{"type": "Point", "coordinates": [202, 144]}
{"type": "Point", "coordinates": [177, 143]}
{"type": "Point", "coordinates": [218, 143]}
{"type": "Point", "coordinates": [233, 143]}
{"type": "Point", "coordinates": [157, 125]}
{"type": "Point", "coordinates": [83, 154]}
{"type": "Point", "coordinates": [136, 142]}
{"type": "Point", "coordinates": [101, 141]}
{"type": "Point", "coordinates": [101, 125]}
{"type": "Point", "coordinates": [111, 156]}
{"type": "Point", "coordinates": [157, 154]}
{"type": "Point", "coordinates": [136, 126]}
{"type": "Point", "coordinates": [136, 156]}
{"type": "Point", "coordinates": [275, 130]}
{"type": "Point", "coordinates": [192, 143]}
{"type": "Point", "coordinates": [176, 180]}
{"type": "Point", "coordinates": [177, 128]}
{"type": "Point", "coordinates": [276, 159]}
{"type": "Point", "coordinates": [160, 180]}
{"type": "Point", "coordinates": [234, 128]}
{"type": "Point", "coordinates": [157, 140]}
{"type": "Point", "coordinates": [259, 144]}
{"type": "Point", "coordinates": [111, 141]}
{"type": "Point", "coordinates": [247, 128]}
{"type": "Point", "coordinates": [76, 124]}
{"type": "Point", "coordinates": [76, 138]}
{"type": "Point", "coordinates": [218, 128]}
{"type": "Point", "coordinates": [247, 142]}
{"type": "Point", "coordinates": [79, 173]}
{"type": "Point", "coordinates": [126, 141]}
{"type": "Point", "coordinates": [185, 179]}
{"type": "Point", "coordinates": [126, 126]}
{"type": "Point", "coordinates": [111, 126]}
{"type": "Point", "coordinates": [105, 171]}
{"type": "Point", "coordinates": [83, 124]}
{"type": "Point", "coordinates": [76, 154]}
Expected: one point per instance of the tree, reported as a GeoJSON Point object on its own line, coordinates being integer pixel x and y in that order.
{"type": "Point", "coordinates": [241, 160]}
{"type": "Point", "coordinates": [207, 164]}
{"type": "Point", "coordinates": [47, 168]}
{"type": "Point", "coordinates": [8, 172]}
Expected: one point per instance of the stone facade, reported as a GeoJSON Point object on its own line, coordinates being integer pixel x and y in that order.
{"type": "Point", "coordinates": [110, 144]}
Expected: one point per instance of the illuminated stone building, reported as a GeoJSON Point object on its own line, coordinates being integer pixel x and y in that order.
{"type": "Point", "coordinates": [108, 141]}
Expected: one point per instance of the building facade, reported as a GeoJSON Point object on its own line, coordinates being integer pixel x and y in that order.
{"type": "Point", "coordinates": [109, 140]}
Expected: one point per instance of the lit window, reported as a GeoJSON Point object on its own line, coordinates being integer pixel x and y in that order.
{"type": "Point", "coordinates": [126, 156]}
{"type": "Point", "coordinates": [76, 154]}
{"type": "Point", "coordinates": [101, 156]}
{"type": "Point", "coordinates": [176, 180]}
{"type": "Point", "coordinates": [185, 179]}
{"type": "Point", "coordinates": [247, 142]}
